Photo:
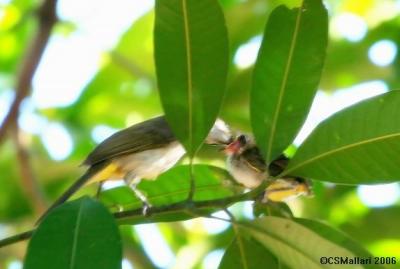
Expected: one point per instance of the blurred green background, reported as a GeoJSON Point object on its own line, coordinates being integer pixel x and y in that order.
{"type": "Point", "coordinates": [97, 76]}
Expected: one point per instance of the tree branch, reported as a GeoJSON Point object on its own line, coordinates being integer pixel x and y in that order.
{"type": "Point", "coordinates": [16, 238]}
{"type": "Point", "coordinates": [180, 206]}
{"type": "Point", "coordinates": [28, 180]}
{"type": "Point", "coordinates": [194, 206]}
{"type": "Point", "coordinates": [47, 19]}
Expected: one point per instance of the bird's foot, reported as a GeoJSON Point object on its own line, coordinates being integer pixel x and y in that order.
{"type": "Point", "coordinates": [146, 209]}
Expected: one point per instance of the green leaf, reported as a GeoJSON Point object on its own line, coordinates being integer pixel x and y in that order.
{"type": "Point", "coordinates": [295, 245]}
{"type": "Point", "coordinates": [191, 55]}
{"type": "Point", "coordinates": [246, 253]}
{"type": "Point", "coordinates": [278, 209]}
{"type": "Point", "coordinates": [171, 187]}
{"type": "Point", "coordinates": [77, 235]}
{"type": "Point", "coordinates": [287, 73]}
{"type": "Point", "coordinates": [356, 145]}
{"type": "Point", "coordinates": [338, 238]}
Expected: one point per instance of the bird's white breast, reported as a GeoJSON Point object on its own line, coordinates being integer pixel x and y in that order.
{"type": "Point", "coordinates": [244, 174]}
{"type": "Point", "coordinates": [149, 164]}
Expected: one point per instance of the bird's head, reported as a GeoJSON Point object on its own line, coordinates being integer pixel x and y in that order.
{"type": "Point", "coordinates": [239, 145]}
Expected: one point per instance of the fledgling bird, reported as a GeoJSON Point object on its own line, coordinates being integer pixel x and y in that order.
{"type": "Point", "coordinates": [286, 189]}
{"type": "Point", "coordinates": [142, 151]}
{"type": "Point", "coordinates": [245, 162]}
{"type": "Point", "coordinates": [247, 166]}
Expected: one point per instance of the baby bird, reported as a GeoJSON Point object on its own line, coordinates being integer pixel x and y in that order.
{"type": "Point", "coordinates": [248, 167]}
{"type": "Point", "coordinates": [245, 162]}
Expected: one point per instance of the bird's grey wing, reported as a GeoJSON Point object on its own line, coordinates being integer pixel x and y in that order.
{"type": "Point", "coordinates": [254, 159]}
{"type": "Point", "coordinates": [150, 134]}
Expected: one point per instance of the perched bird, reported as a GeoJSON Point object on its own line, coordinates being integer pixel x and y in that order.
{"type": "Point", "coordinates": [142, 151]}
{"type": "Point", "coordinates": [248, 167]}
{"type": "Point", "coordinates": [285, 189]}
{"type": "Point", "coordinates": [245, 162]}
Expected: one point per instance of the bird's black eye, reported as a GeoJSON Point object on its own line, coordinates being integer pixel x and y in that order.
{"type": "Point", "coordinates": [242, 139]}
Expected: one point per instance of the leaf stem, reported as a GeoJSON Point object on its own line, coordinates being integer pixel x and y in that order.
{"type": "Point", "coordinates": [192, 181]}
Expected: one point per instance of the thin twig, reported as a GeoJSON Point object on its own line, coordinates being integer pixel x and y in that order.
{"type": "Point", "coordinates": [192, 181]}
{"type": "Point", "coordinates": [16, 238]}
{"type": "Point", "coordinates": [196, 205]}
{"type": "Point", "coordinates": [230, 215]}
{"type": "Point", "coordinates": [28, 181]}
{"type": "Point", "coordinates": [47, 19]}
{"type": "Point", "coordinates": [180, 206]}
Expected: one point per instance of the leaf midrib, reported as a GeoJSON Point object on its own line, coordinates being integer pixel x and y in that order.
{"type": "Point", "coordinates": [189, 71]}
{"type": "Point", "coordinates": [343, 148]}
{"type": "Point", "coordinates": [284, 83]}
{"type": "Point", "coordinates": [75, 237]}
{"type": "Point", "coordinates": [241, 247]}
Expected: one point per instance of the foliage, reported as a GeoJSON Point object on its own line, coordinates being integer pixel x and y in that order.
{"type": "Point", "coordinates": [79, 230]}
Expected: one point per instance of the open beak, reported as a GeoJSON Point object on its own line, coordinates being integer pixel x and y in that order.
{"type": "Point", "coordinates": [232, 148]}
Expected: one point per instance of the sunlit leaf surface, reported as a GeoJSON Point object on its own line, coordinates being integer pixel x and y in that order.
{"type": "Point", "coordinates": [191, 55]}
{"type": "Point", "coordinates": [357, 145]}
{"type": "Point", "coordinates": [287, 74]}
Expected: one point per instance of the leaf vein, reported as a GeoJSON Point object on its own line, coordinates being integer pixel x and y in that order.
{"type": "Point", "coordinates": [283, 85]}
{"type": "Point", "coordinates": [189, 70]}
{"type": "Point", "coordinates": [75, 238]}
{"type": "Point", "coordinates": [343, 148]}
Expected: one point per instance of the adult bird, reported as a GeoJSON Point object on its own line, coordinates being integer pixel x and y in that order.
{"type": "Point", "coordinates": [142, 151]}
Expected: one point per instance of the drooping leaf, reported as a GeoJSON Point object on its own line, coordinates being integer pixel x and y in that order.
{"type": "Point", "coordinates": [77, 235]}
{"type": "Point", "coordinates": [246, 253]}
{"type": "Point", "coordinates": [191, 55]}
{"type": "Point", "coordinates": [287, 73]}
{"type": "Point", "coordinates": [357, 145]}
{"type": "Point", "coordinates": [285, 239]}
{"type": "Point", "coordinates": [339, 238]}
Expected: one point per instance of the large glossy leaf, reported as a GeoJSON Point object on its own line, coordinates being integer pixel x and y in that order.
{"type": "Point", "coordinates": [287, 73]}
{"type": "Point", "coordinates": [77, 235]}
{"type": "Point", "coordinates": [357, 145]}
{"type": "Point", "coordinates": [246, 253]}
{"type": "Point", "coordinates": [191, 55]}
{"type": "Point", "coordinates": [296, 245]}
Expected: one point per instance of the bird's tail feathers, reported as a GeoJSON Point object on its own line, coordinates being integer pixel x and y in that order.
{"type": "Point", "coordinates": [71, 190]}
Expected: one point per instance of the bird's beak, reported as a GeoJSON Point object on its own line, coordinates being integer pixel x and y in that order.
{"type": "Point", "coordinates": [233, 147]}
